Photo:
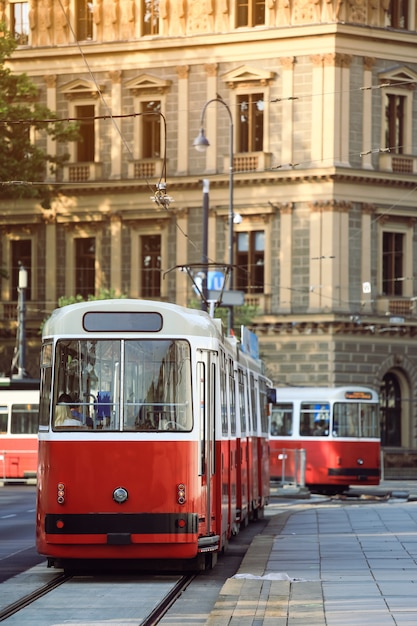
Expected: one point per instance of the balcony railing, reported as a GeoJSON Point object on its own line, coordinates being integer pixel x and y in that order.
{"type": "Point", "coordinates": [145, 168]}
{"type": "Point", "coordinates": [398, 163]}
{"type": "Point", "coordinates": [396, 306]}
{"type": "Point", "coordinates": [249, 162]}
{"type": "Point", "coordinates": [82, 172]}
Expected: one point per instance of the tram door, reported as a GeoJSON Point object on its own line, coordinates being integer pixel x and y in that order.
{"type": "Point", "coordinates": [206, 373]}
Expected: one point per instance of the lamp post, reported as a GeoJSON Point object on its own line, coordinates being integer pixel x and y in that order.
{"type": "Point", "coordinates": [23, 283]}
{"type": "Point", "coordinates": [201, 144]}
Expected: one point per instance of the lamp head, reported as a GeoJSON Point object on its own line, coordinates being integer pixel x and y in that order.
{"type": "Point", "coordinates": [201, 143]}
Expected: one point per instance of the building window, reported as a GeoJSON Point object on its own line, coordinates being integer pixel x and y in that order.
{"type": "Point", "coordinates": [84, 17]}
{"type": "Point", "coordinates": [85, 262]}
{"type": "Point", "coordinates": [397, 14]}
{"type": "Point", "coordinates": [392, 263]}
{"type": "Point", "coordinates": [395, 122]}
{"type": "Point", "coordinates": [20, 22]}
{"type": "Point", "coordinates": [250, 258]}
{"type": "Point", "coordinates": [151, 266]}
{"type": "Point", "coordinates": [150, 12]}
{"type": "Point", "coordinates": [151, 129]}
{"type": "Point", "coordinates": [21, 255]}
{"type": "Point", "coordinates": [86, 145]}
{"type": "Point", "coordinates": [250, 12]}
{"type": "Point", "coordinates": [250, 122]}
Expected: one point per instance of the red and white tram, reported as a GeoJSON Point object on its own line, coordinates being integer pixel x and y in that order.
{"type": "Point", "coordinates": [338, 428]}
{"type": "Point", "coordinates": [19, 408]}
{"type": "Point", "coordinates": [153, 428]}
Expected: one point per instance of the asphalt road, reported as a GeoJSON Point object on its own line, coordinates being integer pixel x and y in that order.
{"type": "Point", "coordinates": [17, 530]}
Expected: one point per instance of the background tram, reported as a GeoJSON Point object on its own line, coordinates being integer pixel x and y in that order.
{"type": "Point", "coordinates": [337, 427]}
{"type": "Point", "coordinates": [153, 436]}
{"type": "Point", "coordinates": [19, 417]}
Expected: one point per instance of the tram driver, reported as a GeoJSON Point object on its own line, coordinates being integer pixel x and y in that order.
{"type": "Point", "coordinates": [63, 414]}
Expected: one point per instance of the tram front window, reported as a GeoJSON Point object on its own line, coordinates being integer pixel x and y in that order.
{"type": "Point", "coordinates": [123, 385]}
{"type": "Point", "coordinates": [355, 420]}
{"type": "Point", "coordinates": [314, 419]}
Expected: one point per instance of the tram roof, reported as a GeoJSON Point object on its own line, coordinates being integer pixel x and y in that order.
{"type": "Point", "coordinates": [176, 320]}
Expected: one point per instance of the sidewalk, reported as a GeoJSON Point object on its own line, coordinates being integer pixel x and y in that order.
{"type": "Point", "coordinates": [329, 563]}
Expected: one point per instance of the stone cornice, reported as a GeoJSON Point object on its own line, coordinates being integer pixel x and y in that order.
{"type": "Point", "coordinates": [248, 179]}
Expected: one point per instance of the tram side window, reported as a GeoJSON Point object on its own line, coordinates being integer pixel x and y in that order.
{"type": "Point", "coordinates": [282, 419]}
{"type": "Point", "coordinates": [3, 420]}
{"type": "Point", "coordinates": [314, 419]}
{"type": "Point", "coordinates": [264, 406]}
{"type": "Point", "coordinates": [24, 419]}
{"type": "Point", "coordinates": [232, 402]}
{"type": "Point", "coordinates": [45, 385]}
{"type": "Point", "coordinates": [223, 397]}
{"type": "Point", "coordinates": [242, 403]}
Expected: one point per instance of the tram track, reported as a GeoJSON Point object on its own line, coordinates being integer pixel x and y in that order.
{"type": "Point", "coordinates": [160, 610]}
{"type": "Point", "coordinates": [153, 617]}
{"type": "Point", "coordinates": [28, 599]}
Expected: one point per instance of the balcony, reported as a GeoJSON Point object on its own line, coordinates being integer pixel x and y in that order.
{"type": "Point", "coordinates": [261, 301]}
{"type": "Point", "coordinates": [145, 168]}
{"type": "Point", "coordinates": [395, 306]}
{"type": "Point", "coordinates": [398, 163]}
{"type": "Point", "coordinates": [82, 172]}
{"type": "Point", "coordinates": [249, 162]}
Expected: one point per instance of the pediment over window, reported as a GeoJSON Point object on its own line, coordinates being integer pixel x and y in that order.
{"type": "Point", "coordinates": [145, 83]}
{"type": "Point", "coordinates": [246, 75]}
{"type": "Point", "coordinates": [80, 88]}
{"type": "Point", "coordinates": [400, 76]}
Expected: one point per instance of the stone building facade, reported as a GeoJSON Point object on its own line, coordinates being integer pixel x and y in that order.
{"type": "Point", "coordinates": [313, 104]}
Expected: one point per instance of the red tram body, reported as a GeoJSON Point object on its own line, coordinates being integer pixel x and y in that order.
{"type": "Point", "coordinates": [152, 467]}
{"type": "Point", "coordinates": [337, 429]}
{"type": "Point", "coordinates": [19, 408]}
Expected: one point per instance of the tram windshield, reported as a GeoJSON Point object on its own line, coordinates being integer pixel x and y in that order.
{"type": "Point", "coordinates": [355, 420]}
{"type": "Point", "coordinates": [325, 419]}
{"type": "Point", "coordinates": [122, 385]}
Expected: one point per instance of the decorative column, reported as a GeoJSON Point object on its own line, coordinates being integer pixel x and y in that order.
{"type": "Point", "coordinates": [49, 218]}
{"type": "Point", "coordinates": [368, 64]}
{"type": "Point", "coordinates": [116, 253]}
{"type": "Point", "coordinates": [182, 280]}
{"type": "Point", "coordinates": [183, 115]}
{"type": "Point", "coordinates": [317, 114]}
{"type": "Point", "coordinates": [211, 117]}
{"type": "Point", "coordinates": [51, 145]}
{"type": "Point", "coordinates": [336, 108]}
{"type": "Point", "coordinates": [287, 105]}
{"type": "Point", "coordinates": [285, 257]}
{"type": "Point", "coordinates": [116, 140]}
{"type": "Point", "coordinates": [368, 211]}
{"type": "Point", "coordinates": [329, 256]}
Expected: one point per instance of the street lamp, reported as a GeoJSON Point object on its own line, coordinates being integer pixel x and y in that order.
{"type": "Point", "coordinates": [201, 144]}
{"type": "Point", "coordinates": [22, 286]}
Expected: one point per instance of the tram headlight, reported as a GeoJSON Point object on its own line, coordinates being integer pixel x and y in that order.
{"type": "Point", "coordinates": [120, 495]}
{"type": "Point", "coordinates": [60, 493]}
{"type": "Point", "coordinates": [181, 498]}
{"type": "Point", "coordinates": [360, 461]}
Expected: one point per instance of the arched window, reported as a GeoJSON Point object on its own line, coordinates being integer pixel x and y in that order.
{"type": "Point", "coordinates": [390, 404]}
